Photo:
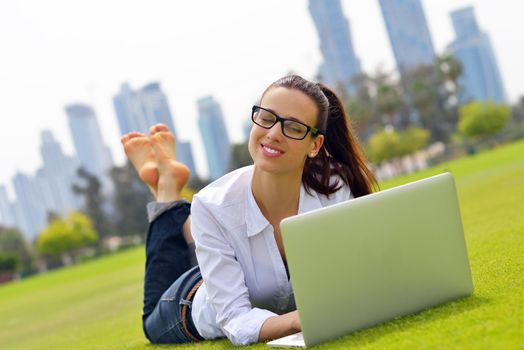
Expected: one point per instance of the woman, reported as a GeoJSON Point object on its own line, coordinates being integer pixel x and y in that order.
{"type": "Point", "coordinates": [305, 157]}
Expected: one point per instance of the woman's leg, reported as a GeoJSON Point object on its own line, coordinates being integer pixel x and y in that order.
{"type": "Point", "coordinates": [170, 321]}
{"type": "Point", "coordinates": [167, 251]}
{"type": "Point", "coordinates": [167, 254]}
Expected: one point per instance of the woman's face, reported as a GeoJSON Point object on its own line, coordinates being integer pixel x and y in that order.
{"type": "Point", "coordinates": [270, 149]}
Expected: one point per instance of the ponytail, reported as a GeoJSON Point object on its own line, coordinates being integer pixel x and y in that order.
{"type": "Point", "coordinates": [340, 155]}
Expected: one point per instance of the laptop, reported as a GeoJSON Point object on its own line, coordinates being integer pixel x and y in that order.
{"type": "Point", "coordinates": [375, 258]}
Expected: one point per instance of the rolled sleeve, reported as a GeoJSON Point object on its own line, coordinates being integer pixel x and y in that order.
{"type": "Point", "coordinates": [225, 280]}
{"type": "Point", "coordinates": [245, 328]}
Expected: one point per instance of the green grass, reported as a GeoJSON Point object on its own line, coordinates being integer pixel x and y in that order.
{"type": "Point", "coordinates": [97, 305]}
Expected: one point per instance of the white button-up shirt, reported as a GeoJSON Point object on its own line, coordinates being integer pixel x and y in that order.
{"type": "Point", "coordinates": [245, 280]}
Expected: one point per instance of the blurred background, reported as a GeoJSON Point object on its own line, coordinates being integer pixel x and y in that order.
{"type": "Point", "coordinates": [422, 81]}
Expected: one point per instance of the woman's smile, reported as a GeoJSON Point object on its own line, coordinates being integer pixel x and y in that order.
{"type": "Point", "coordinates": [271, 151]}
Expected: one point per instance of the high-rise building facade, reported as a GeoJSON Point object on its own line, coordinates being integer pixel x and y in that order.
{"type": "Point", "coordinates": [93, 154]}
{"type": "Point", "coordinates": [137, 110]}
{"type": "Point", "coordinates": [408, 33]}
{"type": "Point", "coordinates": [340, 63]}
{"type": "Point", "coordinates": [129, 111]}
{"type": "Point", "coordinates": [58, 174]}
{"type": "Point", "coordinates": [30, 204]}
{"type": "Point", "coordinates": [215, 137]}
{"type": "Point", "coordinates": [481, 79]}
{"type": "Point", "coordinates": [7, 217]}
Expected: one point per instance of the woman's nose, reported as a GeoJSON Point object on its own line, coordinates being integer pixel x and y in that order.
{"type": "Point", "coordinates": [275, 132]}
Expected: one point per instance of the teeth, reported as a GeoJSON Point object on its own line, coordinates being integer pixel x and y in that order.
{"type": "Point", "coordinates": [271, 150]}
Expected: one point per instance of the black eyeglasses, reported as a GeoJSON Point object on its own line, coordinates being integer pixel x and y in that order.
{"type": "Point", "coordinates": [290, 128]}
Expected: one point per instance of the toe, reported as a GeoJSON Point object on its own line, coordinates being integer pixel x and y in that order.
{"type": "Point", "coordinates": [134, 134]}
{"type": "Point", "coordinates": [158, 128]}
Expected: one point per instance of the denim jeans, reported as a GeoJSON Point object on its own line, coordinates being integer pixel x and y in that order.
{"type": "Point", "coordinates": [169, 277]}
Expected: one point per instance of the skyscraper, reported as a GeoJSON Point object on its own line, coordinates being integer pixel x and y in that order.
{"type": "Point", "coordinates": [214, 135]}
{"type": "Point", "coordinates": [138, 110]}
{"type": "Point", "coordinates": [340, 63]}
{"type": "Point", "coordinates": [30, 203]}
{"type": "Point", "coordinates": [93, 154]}
{"type": "Point", "coordinates": [129, 111]}
{"type": "Point", "coordinates": [408, 33]}
{"type": "Point", "coordinates": [58, 174]}
{"type": "Point", "coordinates": [480, 78]}
{"type": "Point", "coordinates": [7, 217]}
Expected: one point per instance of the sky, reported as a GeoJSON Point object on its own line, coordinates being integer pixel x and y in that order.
{"type": "Point", "coordinates": [57, 52]}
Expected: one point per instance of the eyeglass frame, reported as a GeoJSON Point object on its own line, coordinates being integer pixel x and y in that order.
{"type": "Point", "coordinates": [314, 131]}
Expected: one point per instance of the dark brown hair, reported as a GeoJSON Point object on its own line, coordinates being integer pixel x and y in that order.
{"type": "Point", "coordinates": [341, 153]}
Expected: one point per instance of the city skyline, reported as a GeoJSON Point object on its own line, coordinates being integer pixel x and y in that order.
{"type": "Point", "coordinates": [88, 70]}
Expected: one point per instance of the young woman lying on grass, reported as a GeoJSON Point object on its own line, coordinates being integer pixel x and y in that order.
{"type": "Point", "coordinates": [305, 157]}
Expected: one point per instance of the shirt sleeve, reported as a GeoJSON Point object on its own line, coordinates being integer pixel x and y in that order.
{"type": "Point", "coordinates": [224, 279]}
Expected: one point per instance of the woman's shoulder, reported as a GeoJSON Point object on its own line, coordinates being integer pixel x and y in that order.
{"type": "Point", "coordinates": [228, 189]}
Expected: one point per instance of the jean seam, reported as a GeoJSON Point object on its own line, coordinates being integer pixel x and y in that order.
{"type": "Point", "coordinates": [170, 328]}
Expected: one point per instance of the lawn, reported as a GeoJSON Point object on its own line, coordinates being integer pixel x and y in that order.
{"type": "Point", "coordinates": [97, 305]}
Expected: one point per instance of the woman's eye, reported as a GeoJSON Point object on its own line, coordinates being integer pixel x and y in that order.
{"type": "Point", "coordinates": [295, 129]}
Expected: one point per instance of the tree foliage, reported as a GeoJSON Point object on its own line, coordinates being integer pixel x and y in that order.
{"type": "Point", "coordinates": [388, 97]}
{"type": "Point", "coordinates": [66, 236]}
{"type": "Point", "coordinates": [13, 241]}
{"type": "Point", "coordinates": [129, 201]}
{"type": "Point", "coordinates": [240, 156]}
{"type": "Point", "coordinates": [383, 145]}
{"type": "Point", "coordinates": [413, 139]}
{"type": "Point", "coordinates": [388, 144]}
{"type": "Point", "coordinates": [94, 201]}
{"type": "Point", "coordinates": [482, 119]}
{"type": "Point", "coordinates": [9, 262]}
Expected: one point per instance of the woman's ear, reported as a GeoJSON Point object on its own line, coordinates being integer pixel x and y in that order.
{"type": "Point", "coordinates": [316, 145]}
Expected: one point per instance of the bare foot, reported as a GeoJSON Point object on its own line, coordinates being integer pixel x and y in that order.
{"type": "Point", "coordinates": [172, 175]}
{"type": "Point", "coordinates": [140, 152]}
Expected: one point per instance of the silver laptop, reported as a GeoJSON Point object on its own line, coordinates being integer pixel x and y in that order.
{"type": "Point", "coordinates": [375, 258]}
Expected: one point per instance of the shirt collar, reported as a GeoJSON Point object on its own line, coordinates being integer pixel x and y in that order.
{"type": "Point", "coordinates": [256, 221]}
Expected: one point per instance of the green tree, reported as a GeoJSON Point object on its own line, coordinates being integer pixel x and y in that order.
{"type": "Point", "coordinates": [450, 70]}
{"type": "Point", "coordinates": [384, 145]}
{"type": "Point", "coordinates": [9, 262]}
{"type": "Point", "coordinates": [517, 113]}
{"type": "Point", "coordinates": [413, 139]}
{"type": "Point", "coordinates": [362, 107]}
{"type": "Point", "coordinates": [240, 156]}
{"type": "Point", "coordinates": [13, 241]}
{"type": "Point", "coordinates": [67, 236]}
{"type": "Point", "coordinates": [129, 201]}
{"type": "Point", "coordinates": [389, 98]}
{"type": "Point", "coordinates": [481, 120]}
{"type": "Point", "coordinates": [427, 96]}
{"type": "Point", "coordinates": [388, 144]}
{"type": "Point", "coordinates": [94, 203]}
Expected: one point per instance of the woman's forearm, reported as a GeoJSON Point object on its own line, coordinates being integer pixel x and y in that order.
{"type": "Point", "coordinates": [279, 326]}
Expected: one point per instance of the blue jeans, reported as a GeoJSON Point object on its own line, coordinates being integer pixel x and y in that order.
{"type": "Point", "coordinates": [169, 279]}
